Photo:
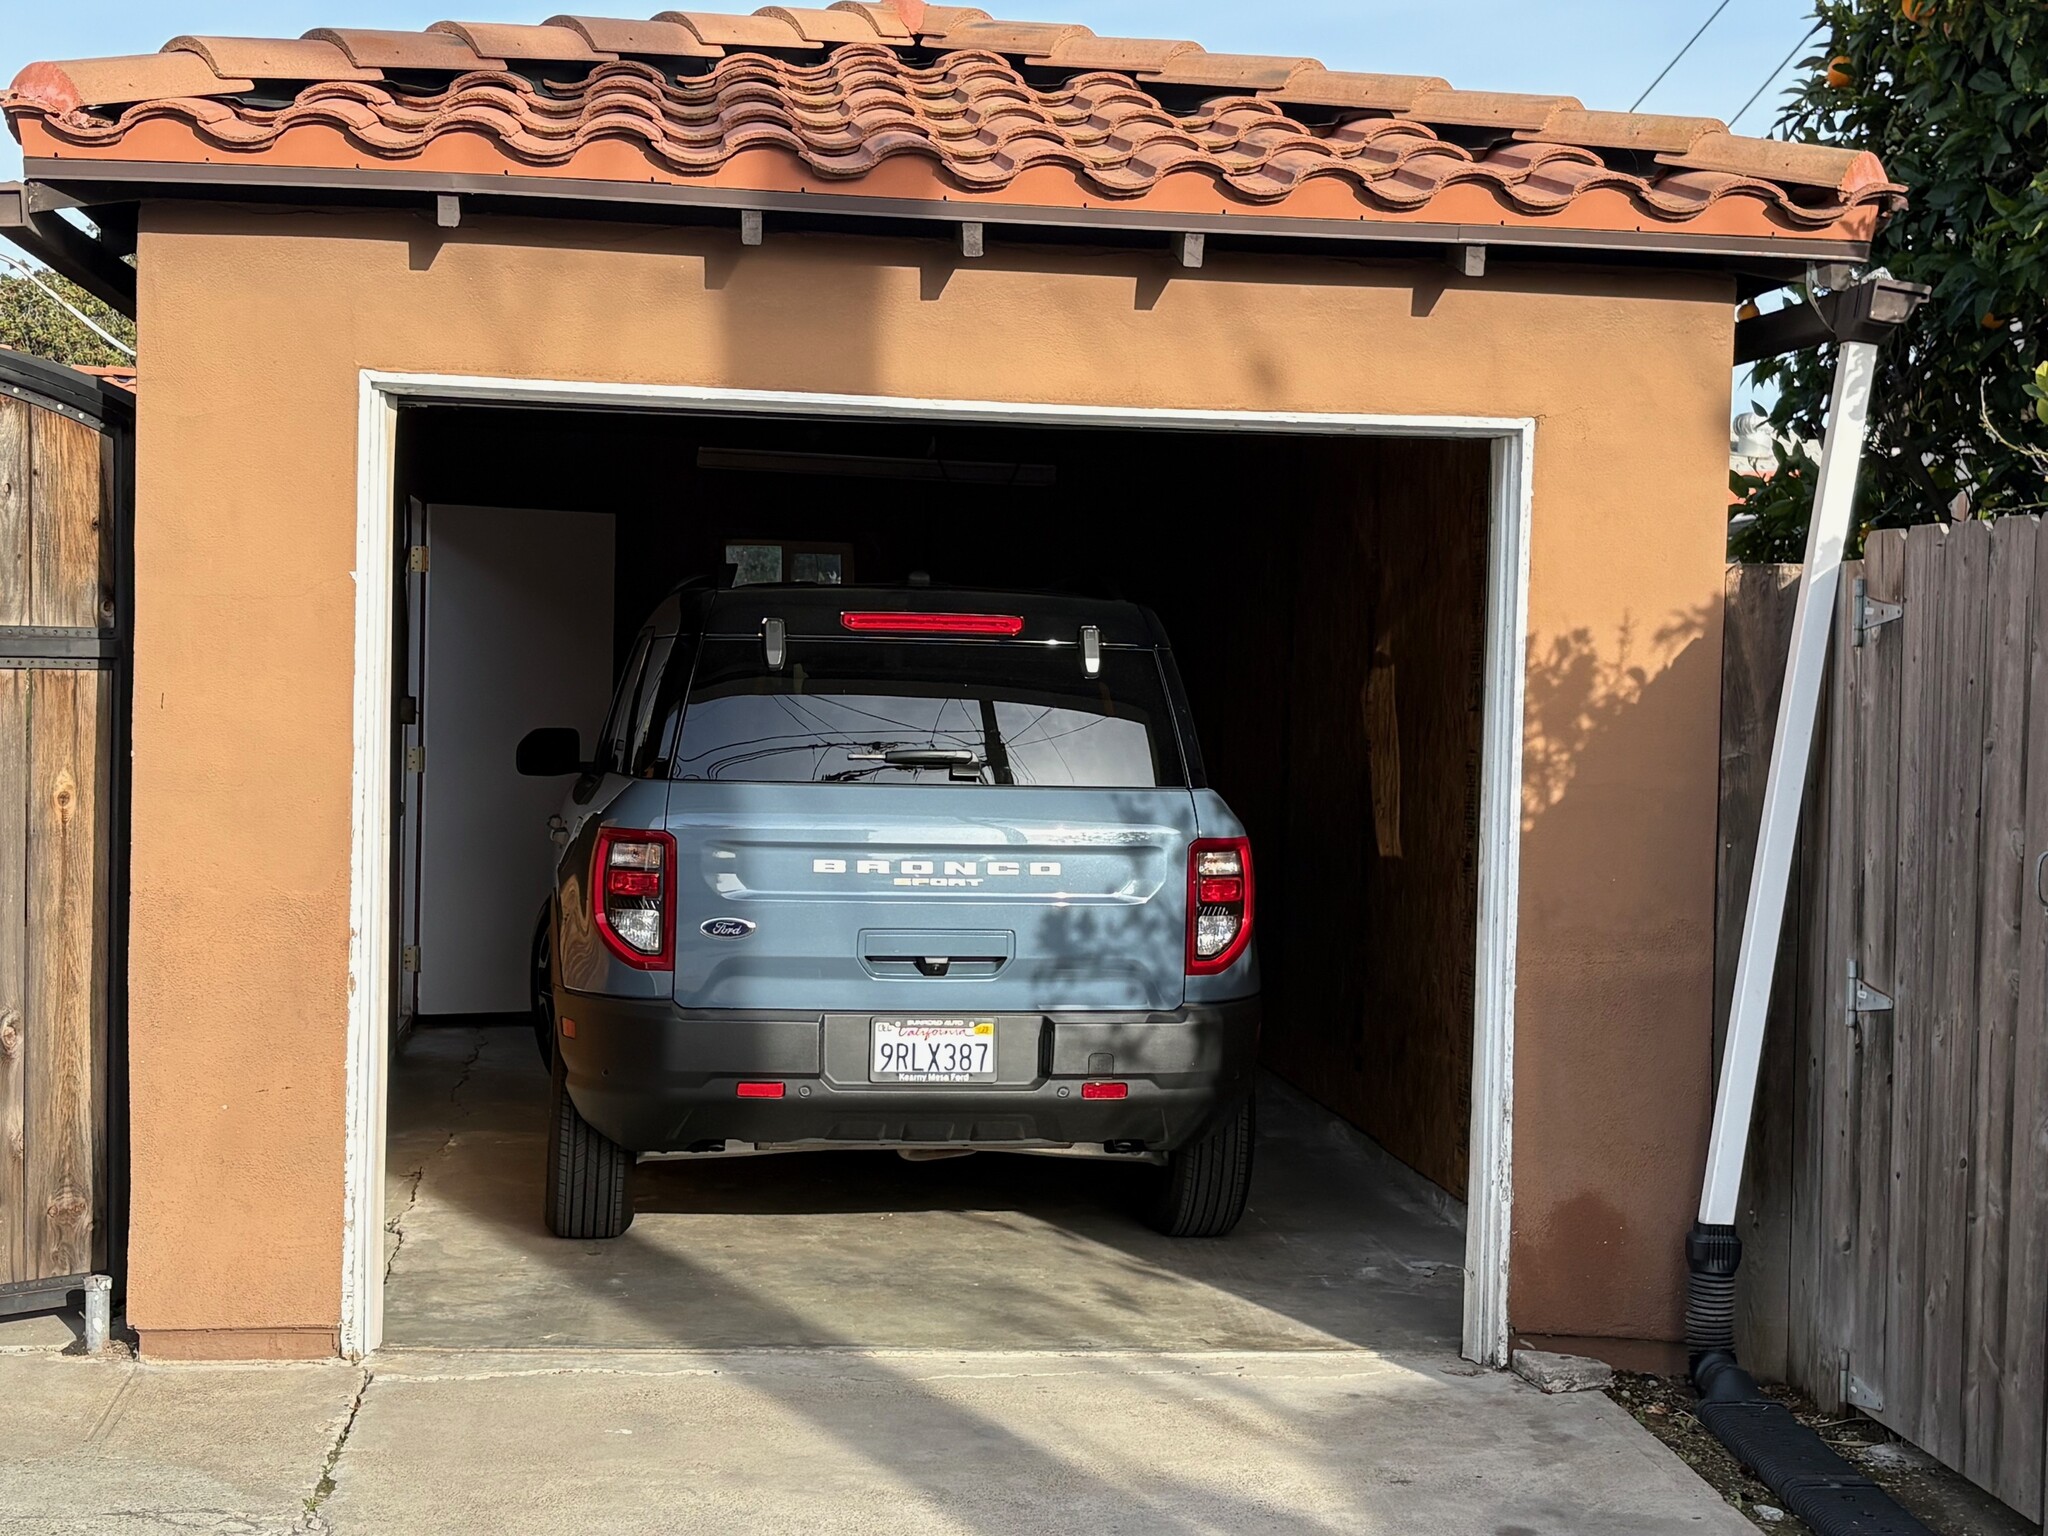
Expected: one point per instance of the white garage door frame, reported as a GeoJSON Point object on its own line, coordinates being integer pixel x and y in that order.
{"type": "Point", "coordinates": [1490, 1196]}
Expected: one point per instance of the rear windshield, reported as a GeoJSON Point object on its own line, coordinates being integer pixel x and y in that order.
{"type": "Point", "coordinates": [927, 712]}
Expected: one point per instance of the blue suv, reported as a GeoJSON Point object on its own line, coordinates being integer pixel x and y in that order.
{"type": "Point", "coordinates": [899, 868]}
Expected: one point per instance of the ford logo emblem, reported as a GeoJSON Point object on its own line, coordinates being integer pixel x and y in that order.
{"type": "Point", "coordinates": [728, 928]}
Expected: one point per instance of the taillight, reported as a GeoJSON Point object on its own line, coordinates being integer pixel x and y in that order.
{"type": "Point", "coordinates": [1219, 904]}
{"type": "Point", "coordinates": [632, 896]}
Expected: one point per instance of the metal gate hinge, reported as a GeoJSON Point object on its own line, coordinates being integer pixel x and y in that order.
{"type": "Point", "coordinates": [1871, 615]}
{"type": "Point", "coordinates": [1857, 1392]}
{"type": "Point", "coordinates": [409, 959]}
{"type": "Point", "coordinates": [415, 759]}
{"type": "Point", "coordinates": [1864, 998]}
{"type": "Point", "coordinates": [417, 560]}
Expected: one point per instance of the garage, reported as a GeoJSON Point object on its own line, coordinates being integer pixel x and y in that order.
{"type": "Point", "coordinates": [1404, 407]}
{"type": "Point", "coordinates": [1325, 593]}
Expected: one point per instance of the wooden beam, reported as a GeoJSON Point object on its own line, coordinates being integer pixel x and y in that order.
{"type": "Point", "coordinates": [1867, 312]}
{"type": "Point", "coordinates": [448, 211]}
{"type": "Point", "coordinates": [1467, 260]}
{"type": "Point", "coordinates": [1190, 249]}
{"type": "Point", "coordinates": [753, 230]}
{"type": "Point", "coordinates": [974, 240]}
{"type": "Point", "coordinates": [66, 249]}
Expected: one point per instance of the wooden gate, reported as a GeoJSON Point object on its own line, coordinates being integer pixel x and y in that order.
{"type": "Point", "coordinates": [61, 704]}
{"type": "Point", "coordinates": [1896, 1215]}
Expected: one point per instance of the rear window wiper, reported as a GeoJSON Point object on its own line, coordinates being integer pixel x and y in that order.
{"type": "Point", "coordinates": [963, 763]}
{"type": "Point", "coordinates": [920, 757]}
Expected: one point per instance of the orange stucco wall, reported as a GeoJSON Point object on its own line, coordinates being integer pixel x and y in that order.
{"type": "Point", "coordinates": [255, 328]}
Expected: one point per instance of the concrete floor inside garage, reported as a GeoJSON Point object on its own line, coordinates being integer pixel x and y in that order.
{"type": "Point", "coordinates": [1342, 1248]}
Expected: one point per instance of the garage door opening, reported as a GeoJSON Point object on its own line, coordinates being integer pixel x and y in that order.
{"type": "Point", "coordinates": [1329, 598]}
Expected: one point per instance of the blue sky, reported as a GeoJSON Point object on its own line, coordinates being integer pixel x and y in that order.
{"type": "Point", "coordinates": [1602, 51]}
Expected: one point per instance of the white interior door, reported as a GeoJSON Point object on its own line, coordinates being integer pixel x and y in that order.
{"type": "Point", "coordinates": [518, 634]}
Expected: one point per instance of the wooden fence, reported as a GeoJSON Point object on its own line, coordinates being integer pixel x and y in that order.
{"type": "Point", "coordinates": [1896, 1212]}
{"type": "Point", "coordinates": [59, 721]}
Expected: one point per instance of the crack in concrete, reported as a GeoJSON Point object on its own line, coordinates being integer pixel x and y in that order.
{"type": "Point", "coordinates": [313, 1523]}
{"type": "Point", "coordinates": [415, 1177]}
{"type": "Point", "coordinates": [468, 1067]}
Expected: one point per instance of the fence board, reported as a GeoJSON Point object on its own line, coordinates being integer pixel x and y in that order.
{"type": "Point", "coordinates": [2003, 872]}
{"type": "Point", "coordinates": [69, 582]}
{"type": "Point", "coordinates": [1921, 718]}
{"type": "Point", "coordinates": [2023, 1347]}
{"type": "Point", "coordinates": [1837, 839]}
{"type": "Point", "coordinates": [13, 969]}
{"type": "Point", "coordinates": [1952, 1075]}
{"type": "Point", "coordinates": [67, 988]}
{"type": "Point", "coordinates": [14, 499]}
{"type": "Point", "coordinates": [1880, 662]}
{"type": "Point", "coordinates": [1761, 601]}
{"type": "Point", "coordinates": [1803, 1336]}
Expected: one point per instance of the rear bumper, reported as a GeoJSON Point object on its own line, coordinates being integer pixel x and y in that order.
{"type": "Point", "coordinates": [658, 1078]}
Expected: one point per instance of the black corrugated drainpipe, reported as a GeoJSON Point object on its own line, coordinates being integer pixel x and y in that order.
{"type": "Point", "coordinates": [1800, 1468]}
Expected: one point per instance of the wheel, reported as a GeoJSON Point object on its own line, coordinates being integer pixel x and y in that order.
{"type": "Point", "coordinates": [1201, 1192]}
{"type": "Point", "coordinates": [588, 1175]}
{"type": "Point", "coordinates": [543, 988]}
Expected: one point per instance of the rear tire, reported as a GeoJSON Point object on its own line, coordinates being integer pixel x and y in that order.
{"type": "Point", "coordinates": [1202, 1190]}
{"type": "Point", "coordinates": [589, 1176]}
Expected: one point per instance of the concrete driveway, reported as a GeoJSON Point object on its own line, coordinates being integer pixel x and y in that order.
{"type": "Point", "coordinates": [822, 1442]}
{"type": "Point", "coordinates": [851, 1344]}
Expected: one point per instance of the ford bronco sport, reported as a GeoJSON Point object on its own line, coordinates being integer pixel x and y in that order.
{"type": "Point", "coordinates": [907, 868]}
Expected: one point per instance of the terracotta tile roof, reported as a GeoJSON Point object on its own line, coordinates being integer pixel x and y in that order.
{"type": "Point", "coordinates": [907, 100]}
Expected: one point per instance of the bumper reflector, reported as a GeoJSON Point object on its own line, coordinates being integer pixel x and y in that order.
{"type": "Point", "coordinates": [761, 1090]}
{"type": "Point", "coordinates": [1105, 1090]}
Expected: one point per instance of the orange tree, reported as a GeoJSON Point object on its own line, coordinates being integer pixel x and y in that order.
{"type": "Point", "coordinates": [1953, 96]}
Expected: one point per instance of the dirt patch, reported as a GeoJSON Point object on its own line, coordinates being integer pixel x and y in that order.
{"type": "Point", "coordinates": [1946, 1503]}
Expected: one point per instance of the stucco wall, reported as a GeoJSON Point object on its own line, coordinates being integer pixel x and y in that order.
{"type": "Point", "coordinates": [254, 330]}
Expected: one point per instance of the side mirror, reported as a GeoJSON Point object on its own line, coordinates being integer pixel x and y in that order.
{"type": "Point", "coordinates": [553, 752]}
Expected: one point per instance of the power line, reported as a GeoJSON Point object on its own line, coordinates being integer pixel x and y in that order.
{"type": "Point", "coordinates": [1681, 53]}
{"type": "Point", "coordinates": [76, 313]}
{"type": "Point", "coordinates": [1773, 75]}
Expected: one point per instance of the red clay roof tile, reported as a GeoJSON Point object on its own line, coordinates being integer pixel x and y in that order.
{"type": "Point", "coordinates": [638, 39]}
{"type": "Point", "coordinates": [755, 31]}
{"type": "Point", "coordinates": [427, 51]}
{"type": "Point", "coordinates": [837, 94]}
{"type": "Point", "coordinates": [534, 45]}
{"type": "Point", "coordinates": [1332, 88]}
{"type": "Point", "coordinates": [887, 20]}
{"type": "Point", "coordinates": [1231, 71]}
{"type": "Point", "coordinates": [271, 58]}
{"type": "Point", "coordinates": [64, 88]}
{"type": "Point", "coordinates": [824, 26]}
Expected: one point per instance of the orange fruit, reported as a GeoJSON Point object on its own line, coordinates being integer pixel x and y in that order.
{"type": "Point", "coordinates": [1991, 322]}
{"type": "Point", "coordinates": [1838, 72]}
{"type": "Point", "coordinates": [1748, 311]}
{"type": "Point", "coordinates": [1918, 10]}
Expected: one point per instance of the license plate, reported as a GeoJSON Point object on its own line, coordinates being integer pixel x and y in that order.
{"type": "Point", "coordinates": [933, 1051]}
